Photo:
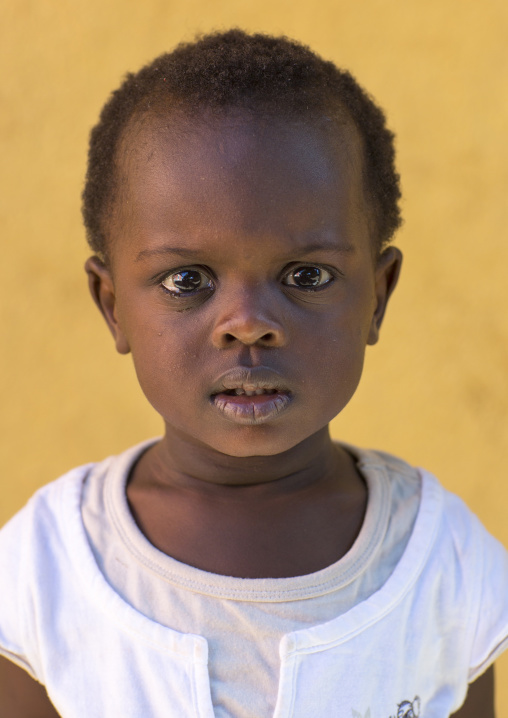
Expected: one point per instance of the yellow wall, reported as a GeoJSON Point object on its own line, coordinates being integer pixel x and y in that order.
{"type": "Point", "coordinates": [435, 389]}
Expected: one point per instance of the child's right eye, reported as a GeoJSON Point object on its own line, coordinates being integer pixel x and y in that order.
{"type": "Point", "coordinates": [186, 281]}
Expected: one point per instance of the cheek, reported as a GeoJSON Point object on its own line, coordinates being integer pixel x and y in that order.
{"type": "Point", "coordinates": [167, 357]}
{"type": "Point", "coordinates": [338, 366]}
{"type": "Point", "coordinates": [336, 351]}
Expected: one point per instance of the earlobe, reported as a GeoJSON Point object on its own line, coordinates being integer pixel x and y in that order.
{"type": "Point", "coordinates": [102, 289]}
{"type": "Point", "coordinates": [387, 275]}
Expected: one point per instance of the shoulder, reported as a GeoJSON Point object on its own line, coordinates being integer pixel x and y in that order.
{"type": "Point", "coordinates": [46, 565]}
{"type": "Point", "coordinates": [455, 517]}
{"type": "Point", "coordinates": [43, 538]}
{"type": "Point", "coordinates": [42, 514]}
{"type": "Point", "coordinates": [405, 480]}
{"type": "Point", "coordinates": [470, 566]}
{"type": "Point", "coordinates": [31, 547]}
{"type": "Point", "coordinates": [55, 502]}
{"type": "Point", "coordinates": [464, 568]}
{"type": "Point", "coordinates": [446, 530]}
{"type": "Point", "coordinates": [42, 511]}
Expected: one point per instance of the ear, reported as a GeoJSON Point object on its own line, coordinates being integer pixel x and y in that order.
{"type": "Point", "coordinates": [387, 274]}
{"type": "Point", "coordinates": [102, 289]}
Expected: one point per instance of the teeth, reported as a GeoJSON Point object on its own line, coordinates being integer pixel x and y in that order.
{"type": "Point", "coordinates": [254, 392]}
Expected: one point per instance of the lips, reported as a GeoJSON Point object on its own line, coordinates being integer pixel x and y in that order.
{"type": "Point", "coordinates": [250, 380]}
{"type": "Point", "coordinates": [251, 395]}
{"type": "Point", "coordinates": [250, 392]}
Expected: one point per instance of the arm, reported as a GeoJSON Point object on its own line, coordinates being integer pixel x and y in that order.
{"type": "Point", "coordinates": [21, 696]}
{"type": "Point", "coordinates": [480, 698]}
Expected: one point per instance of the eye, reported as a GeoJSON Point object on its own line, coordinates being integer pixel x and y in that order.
{"type": "Point", "coordinates": [308, 277]}
{"type": "Point", "coordinates": [186, 281]}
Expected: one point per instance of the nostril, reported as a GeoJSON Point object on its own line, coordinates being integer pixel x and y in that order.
{"type": "Point", "coordinates": [248, 335]}
{"type": "Point", "coordinates": [267, 338]}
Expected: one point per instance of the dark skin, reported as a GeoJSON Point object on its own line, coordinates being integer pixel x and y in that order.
{"type": "Point", "coordinates": [242, 242]}
{"type": "Point", "coordinates": [253, 203]}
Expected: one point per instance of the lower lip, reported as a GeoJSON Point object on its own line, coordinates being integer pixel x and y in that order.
{"type": "Point", "coordinates": [256, 409]}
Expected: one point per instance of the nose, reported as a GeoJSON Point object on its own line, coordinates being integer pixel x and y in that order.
{"type": "Point", "coordinates": [247, 316]}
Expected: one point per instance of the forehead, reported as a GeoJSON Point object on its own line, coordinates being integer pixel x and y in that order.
{"type": "Point", "coordinates": [237, 172]}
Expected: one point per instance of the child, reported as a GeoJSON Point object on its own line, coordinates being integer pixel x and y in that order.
{"type": "Point", "coordinates": [240, 197]}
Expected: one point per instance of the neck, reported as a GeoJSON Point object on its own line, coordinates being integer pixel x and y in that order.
{"type": "Point", "coordinates": [262, 516]}
{"type": "Point", "coordinates": [175, 462]}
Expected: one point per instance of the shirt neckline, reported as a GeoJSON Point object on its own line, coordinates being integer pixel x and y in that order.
{"type": "Point", "coordinates": [99, 593]}
{"type": "Point", "coordinates": [318, 583]}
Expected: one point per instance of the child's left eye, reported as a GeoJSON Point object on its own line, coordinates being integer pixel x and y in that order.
{"type": "Point", "coordinates": [308, 277]}
{"type": "Point", "coordinates": [185, 281]}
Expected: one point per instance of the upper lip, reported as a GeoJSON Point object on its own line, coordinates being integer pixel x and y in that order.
{"type": "Point", "coordinates": [249, 379]}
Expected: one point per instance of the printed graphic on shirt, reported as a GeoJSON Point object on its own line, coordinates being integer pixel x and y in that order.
{"type": "Point", "coordinates": [406, 709]}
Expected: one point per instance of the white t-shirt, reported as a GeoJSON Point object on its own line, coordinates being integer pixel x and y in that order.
{"type": "Point", "coordinates": [438, 618]}
{"type": "Point", "coordinates": [245, 620]}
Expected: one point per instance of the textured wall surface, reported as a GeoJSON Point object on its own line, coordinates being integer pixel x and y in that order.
{"type": "Point", "coordinates": [435, 389]}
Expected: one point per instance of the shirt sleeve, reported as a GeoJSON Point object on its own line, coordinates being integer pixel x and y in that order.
{"type": "Point", "coordinates": [490, 633]}
{"type": "Point", "coordinates": [14, 625]}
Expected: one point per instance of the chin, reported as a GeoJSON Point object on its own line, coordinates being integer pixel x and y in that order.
{"type": "Point", "coordinates": [245, 449]}
{"type": "Point", "coordinates": [251, 441]}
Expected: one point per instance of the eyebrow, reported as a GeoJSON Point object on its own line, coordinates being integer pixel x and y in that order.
{"type": "Point", "coordinates": [323, 247]}
{"type": "Point", "coordinates": [181, 251]}
{"type": "Point", "coordinates": [190, 253]}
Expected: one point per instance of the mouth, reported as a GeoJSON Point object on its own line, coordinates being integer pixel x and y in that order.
{"type": "Point", "coordinates": [252, 395]}
{"type": "Point", "coordinates": [251, 408]}
{"type": "Point", "coordinates": [240, 391]}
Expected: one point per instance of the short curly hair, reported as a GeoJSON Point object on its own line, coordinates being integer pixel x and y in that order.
{"type": "Point", "coordinates": [234, 69]}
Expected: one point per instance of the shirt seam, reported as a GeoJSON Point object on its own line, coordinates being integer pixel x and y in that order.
{"type": "Point", "coordinates": [325, 644]}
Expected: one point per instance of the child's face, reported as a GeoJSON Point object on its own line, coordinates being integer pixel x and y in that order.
{"type": "Point", "coordinates": [241, 245]}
